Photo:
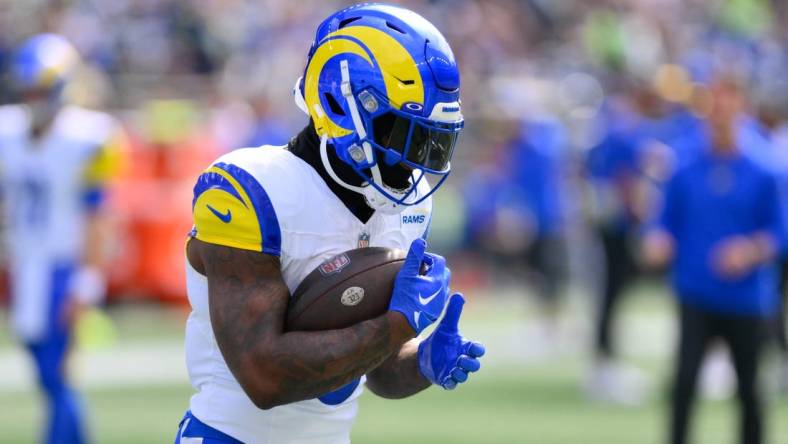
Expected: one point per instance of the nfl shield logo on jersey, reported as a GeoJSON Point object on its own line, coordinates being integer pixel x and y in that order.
{"type": "Point", "coordinates": [363, 240]}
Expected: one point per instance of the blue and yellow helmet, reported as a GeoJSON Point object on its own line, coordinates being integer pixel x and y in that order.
{"type": "Point", "coordinates": [381, 84]}
{"type": "Point", "coordinates": [43, 62]}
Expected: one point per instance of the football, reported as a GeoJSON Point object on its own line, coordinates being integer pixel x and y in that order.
{"type": "Point", "coordinates": [344, 290]}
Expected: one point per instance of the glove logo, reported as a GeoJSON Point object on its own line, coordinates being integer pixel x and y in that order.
{"type": "Point", "coordinates": [427, 300]}
{"type": "Point", "coordinates": [352, 296]}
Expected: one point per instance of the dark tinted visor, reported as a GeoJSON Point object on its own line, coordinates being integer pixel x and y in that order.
{"type": "Point", "coordinates": [428, 147]}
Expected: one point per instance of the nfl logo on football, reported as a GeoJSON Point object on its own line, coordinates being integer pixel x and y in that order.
{"type": "Point", "coordinates": [334, 265]}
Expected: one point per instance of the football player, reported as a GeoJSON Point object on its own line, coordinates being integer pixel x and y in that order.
{"type": "Point", "coordinates": [54, 163]}
{"type": "Point", "coordinates": [381, 88]}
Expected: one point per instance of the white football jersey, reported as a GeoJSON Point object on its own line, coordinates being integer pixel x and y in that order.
{"type": "Point", "coordinates": [44, 184]}
{"type": "Point", "coordinates": [267, 199]}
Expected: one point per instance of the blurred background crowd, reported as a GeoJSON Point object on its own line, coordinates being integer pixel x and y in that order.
{"type": "Point", "coordinates": [578, 112]}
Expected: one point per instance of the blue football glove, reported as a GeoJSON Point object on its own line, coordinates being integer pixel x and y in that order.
{"type": "Point", "coordinates": [445, 357]}
{"type": "Point", "coordinates": [421, 297]}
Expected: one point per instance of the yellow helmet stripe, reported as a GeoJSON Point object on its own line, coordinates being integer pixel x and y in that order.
{"type": "Point", "coordinates": [400, 74]}
{"type": "Point", "coordinates": [394, 61]}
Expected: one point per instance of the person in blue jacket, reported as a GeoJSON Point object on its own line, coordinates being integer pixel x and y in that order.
{"type": "Point", "coordinates": [764, 138]}
{"type": "Point", "coordinates": [720, 228]}
{"type": "Point", "coordinates": [515, 213]}
{"type": "Point", "coordinates": [536, 162]}
{"type": "Point", "coordinates": [645, 139]}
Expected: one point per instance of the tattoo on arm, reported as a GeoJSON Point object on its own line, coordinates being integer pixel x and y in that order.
{"type": "Point", "coordinates": [399, 376]}
{"type": "Point", "coordinates": [248, 301]}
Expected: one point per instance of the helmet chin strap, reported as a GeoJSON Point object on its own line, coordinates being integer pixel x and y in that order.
{"type": "Point", "coordinates": [330, 169]}
{"type": "Point", "coordinates": [374, 198]}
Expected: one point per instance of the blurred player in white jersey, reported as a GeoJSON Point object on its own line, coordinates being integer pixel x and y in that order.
{"type": "Point", "coordinates": [55, 160]}
{"type": "Point", "coordinates": [381, 88]}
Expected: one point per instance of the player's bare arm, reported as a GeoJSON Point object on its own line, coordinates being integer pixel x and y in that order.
{"type": "Point", "coordinates": [399, 376]}
{"type": "Point", "coordinates": [248, 300]}
{"type": "Point", "coordinates": [89, 283]}
{"type": "Point", "coordinates": [445, 359]}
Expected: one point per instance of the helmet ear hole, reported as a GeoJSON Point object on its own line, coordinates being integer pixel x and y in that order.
{"type": "Point", "coordinates": [333, 104]}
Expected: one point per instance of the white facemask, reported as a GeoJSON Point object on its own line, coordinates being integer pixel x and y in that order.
{"type": "Point", "coordinates": [374, 198]}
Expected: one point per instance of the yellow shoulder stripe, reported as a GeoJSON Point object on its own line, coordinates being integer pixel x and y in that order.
{"type": "Point", "coordinates": [231, 208]}
{"type": "Point", "coordinates": [106, 162]}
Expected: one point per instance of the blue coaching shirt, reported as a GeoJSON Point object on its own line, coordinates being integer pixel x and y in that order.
{"type": "Point", "coordinates": [710, 199]}
{"type": "Point", "coordinates": [535, 162]}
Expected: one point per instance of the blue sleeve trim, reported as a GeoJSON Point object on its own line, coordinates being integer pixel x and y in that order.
{"type": "Point", "coordinates": [211, 180]}
{"type": "Point", "coordinates": [194, 428]}
{"type": "Point", "coordinates": [266, 215]}
{"type": "Point", "coordinates": [92, 198]}
{"type": "Point", "coordinates": [341, 394]}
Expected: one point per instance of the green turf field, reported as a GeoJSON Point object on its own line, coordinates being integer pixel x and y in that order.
{"type": "Point", "coordinates": [513, 400]}
{"type": "Point", "coordinates": [514, 405]}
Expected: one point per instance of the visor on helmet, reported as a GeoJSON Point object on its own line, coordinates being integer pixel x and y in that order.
{"type": "Point", "coordinates": [420, 144]}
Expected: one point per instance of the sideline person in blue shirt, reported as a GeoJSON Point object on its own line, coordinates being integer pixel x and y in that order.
{"type": "Point", "coordinates": [720, 228]}
{"type": "Point", "coordinates": [645, 138]}
{"type": "Point", "coordinates": [537, 160]}
{"type": "Point", "coordinates": [765, 140]}
{"type": "Point", "coordinates": [515, 212]}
